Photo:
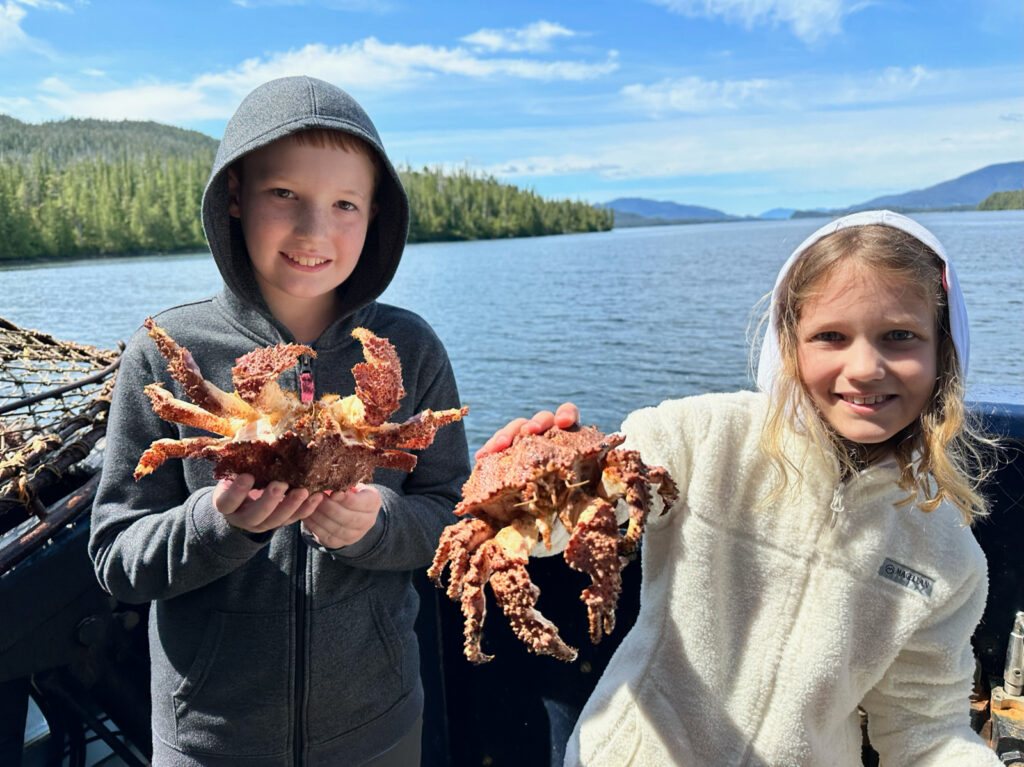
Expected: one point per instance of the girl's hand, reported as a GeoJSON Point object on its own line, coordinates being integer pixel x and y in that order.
{"type": "Point", "coordinates": [341, 519]}
{"type": "Point", "coordinates": [567, 415]}
{"type": "Point", "coordinates": [258, 511]}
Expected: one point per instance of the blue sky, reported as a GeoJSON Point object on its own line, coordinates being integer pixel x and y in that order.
{"type": "Point", "coordinates": [740, 105]}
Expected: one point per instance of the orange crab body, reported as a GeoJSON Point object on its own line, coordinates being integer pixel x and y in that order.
{"type": "Point", "coordinates": [270, 433]}
{"type": "Point", "coordinates": [562, 484]}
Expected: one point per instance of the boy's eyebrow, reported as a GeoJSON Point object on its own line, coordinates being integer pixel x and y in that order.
{"type": "Point", "coordinates": [281, 177]}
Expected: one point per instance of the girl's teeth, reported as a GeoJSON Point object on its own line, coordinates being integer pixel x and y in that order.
{"type": "Point", "coordinates": [873, 400]}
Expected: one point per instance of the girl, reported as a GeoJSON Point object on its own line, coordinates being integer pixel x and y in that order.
{"type": "Point", "coordinates": [819, 559]}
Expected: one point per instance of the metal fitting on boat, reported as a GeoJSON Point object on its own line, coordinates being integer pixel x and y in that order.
{"type": "Point", "coordinates": [1013, 673]}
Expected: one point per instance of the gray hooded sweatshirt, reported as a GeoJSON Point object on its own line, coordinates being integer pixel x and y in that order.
{"type": "Point", "coordinates": [270, 649]}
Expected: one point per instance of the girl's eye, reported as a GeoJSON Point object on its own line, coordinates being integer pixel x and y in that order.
{"type": "Point", "coordinates": [284, 193]}
{"type": "Point", "coordinates": [346, 205]}
{"type": "Point", "coordinates": [829, 336]}
{"type": "Point", "coordinates": [901, 335]}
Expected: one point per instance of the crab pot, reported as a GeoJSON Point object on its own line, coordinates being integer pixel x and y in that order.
{"type": "Point", "coordinates": [79, 653]}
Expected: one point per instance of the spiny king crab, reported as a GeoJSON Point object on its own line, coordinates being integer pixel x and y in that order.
{"type": "Point", "coordinates": [557, 484]}
{"type": "Point", "coordinates": [272, 434]}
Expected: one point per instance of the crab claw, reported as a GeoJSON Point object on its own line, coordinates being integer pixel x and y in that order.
{"type": "Point", "coordinates": [594, 549]}
{"type": "Point", "coordinates": [379, 379]}
{"type": "Point", "coordinates": [255, 376]}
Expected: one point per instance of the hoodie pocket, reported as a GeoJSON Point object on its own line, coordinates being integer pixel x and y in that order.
{"type": "Point", "coordinates": [359, 665]}
{"type": "Point", "coordinates": [234, 697]}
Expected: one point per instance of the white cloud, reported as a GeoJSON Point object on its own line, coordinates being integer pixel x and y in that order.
{"type": "Point", "coordinates": [695, 95]}
{"type": "Point", "coordinates": [810, 20]}
{"type": "Point", "coordinates": [12, 36]}
{"type": "Point", "coordinates": [363, 65]}
{"type": "Point", "coordinates": [534, 38]}
{"type": "Point", "coordinates": [896, 147]}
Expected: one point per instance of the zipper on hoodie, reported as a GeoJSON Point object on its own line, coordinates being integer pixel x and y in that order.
{"type": "Point", "coordinates": [836, 508]}
{"type": "Point", "coordinates": [298, 742]}
{"type": "Point", "coordinates": [307, 391]}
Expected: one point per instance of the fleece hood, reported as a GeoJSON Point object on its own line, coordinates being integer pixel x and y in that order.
{"type": "Point", "coordinates": [274, 110]}
{"type": "Point", "coordinates": [769, 362]}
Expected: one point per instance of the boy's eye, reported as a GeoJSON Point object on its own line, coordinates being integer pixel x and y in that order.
{"type": "Point", "coordinates": [346, 205]}
{"type": "Point", "coordinates": [278, 192]}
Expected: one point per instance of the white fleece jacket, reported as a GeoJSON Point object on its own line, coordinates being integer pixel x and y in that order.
{"type": "Point", "coordinates": [761, 631]}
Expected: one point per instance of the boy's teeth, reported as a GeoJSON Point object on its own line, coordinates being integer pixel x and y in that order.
{"type": "Point", "coordinates": [303, 261]}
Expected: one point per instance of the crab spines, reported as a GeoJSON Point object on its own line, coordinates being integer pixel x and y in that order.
{"type": "Point", "coordinates": [379, 378]}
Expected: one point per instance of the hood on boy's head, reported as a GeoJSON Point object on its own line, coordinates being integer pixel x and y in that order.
{"type": "Point", "coordinates": [770, 363]}
{"type": "Point", "coordinates": [272, 111]}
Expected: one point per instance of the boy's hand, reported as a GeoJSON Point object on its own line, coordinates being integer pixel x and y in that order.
{"type": "Point", "coordinates": [258, 511]}
{"type": "Point", "coordinates": [567, 415]}
{"type": "Point", "coordinates": [344, 518]}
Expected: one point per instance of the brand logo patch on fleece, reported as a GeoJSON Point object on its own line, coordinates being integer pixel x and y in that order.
{"type": "Point", "coordinates": [905, 577]}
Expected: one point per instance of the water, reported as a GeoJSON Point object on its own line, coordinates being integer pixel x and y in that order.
{"type": "Point", "coordinates": [611, 321]}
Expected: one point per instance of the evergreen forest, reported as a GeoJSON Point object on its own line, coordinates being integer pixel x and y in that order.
{"type": "Point", "coordinates": [78, 188]}
{"type": "Point", "coordinates": [1011, 200]}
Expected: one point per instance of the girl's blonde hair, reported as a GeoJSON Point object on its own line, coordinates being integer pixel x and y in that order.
{"type": "Point", "coordinates": [940, 455]}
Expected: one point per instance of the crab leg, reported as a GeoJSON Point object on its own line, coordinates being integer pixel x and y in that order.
{"type": "Point", "coordinates": [624, 476]}
{"type": "Point", "coordinates": [458, 542]}
{"type": "Point", "coordinates": [170, 409]}
{"type": "Point", "coordinates": [186, 372]}
{"type": "Point", "coordinates": [501, 562]}
{"type": "Point", "coordinates": [418, 432]}
{"type": "Point", "coordinates": [593, 549]}
{"type": "Point", "coordinates": [163, 449]}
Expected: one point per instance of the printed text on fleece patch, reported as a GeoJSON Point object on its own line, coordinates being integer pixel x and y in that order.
{"type": "Point", "coordinates": [904, 576]}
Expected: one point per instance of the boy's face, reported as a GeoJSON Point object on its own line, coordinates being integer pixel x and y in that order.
{"type": "Point", "coordinates": [304, 211]}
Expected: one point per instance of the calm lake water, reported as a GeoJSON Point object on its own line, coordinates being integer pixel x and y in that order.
{"type": "Point", "coordinates": [611, 321]}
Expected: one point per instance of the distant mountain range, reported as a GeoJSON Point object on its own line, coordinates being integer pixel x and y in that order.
{"type": "Point", "coordinates": [964, 192]}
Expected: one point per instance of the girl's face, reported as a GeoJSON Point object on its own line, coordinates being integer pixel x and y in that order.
{"type": "Point", "coordinates": [867, 347]}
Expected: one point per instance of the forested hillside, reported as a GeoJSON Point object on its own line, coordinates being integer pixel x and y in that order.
{"type": "Point", "coordinates": [94, 187]}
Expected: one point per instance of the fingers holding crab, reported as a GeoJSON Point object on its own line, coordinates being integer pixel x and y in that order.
{"type": "Point", "coordinates": [344, 518]}
{"type": "Point", "coordinates": [566, 416]}
{"type": "Point", "coordinates": [262, 510]}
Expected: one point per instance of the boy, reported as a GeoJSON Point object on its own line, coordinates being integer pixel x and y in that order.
{"type": "Point", "coordinates": [281, 629]}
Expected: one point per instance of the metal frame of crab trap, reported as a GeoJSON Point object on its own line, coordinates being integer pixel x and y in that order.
{"type": "Point", "coordinates": [63, 642]}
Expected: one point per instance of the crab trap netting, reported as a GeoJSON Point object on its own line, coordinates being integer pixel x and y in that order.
{"type": "Point", "coordinates": [54, 398]}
